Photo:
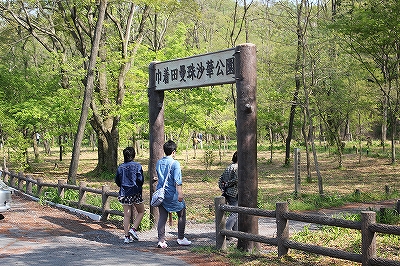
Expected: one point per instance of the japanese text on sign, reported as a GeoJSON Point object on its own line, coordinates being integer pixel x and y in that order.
{"type": "Point", "coordinates": [203, 70]}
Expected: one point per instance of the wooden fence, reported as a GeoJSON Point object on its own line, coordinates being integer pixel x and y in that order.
{"type": "Point", "coordinates": [18, 181]}
{"type": "Point", "coordinates": [368, 227]}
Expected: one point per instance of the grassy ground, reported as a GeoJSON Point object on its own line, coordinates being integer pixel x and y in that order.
{"type": "Point", "coordinates": [373, 176]}
{"type": "Point", "coordinates": [370, 176]}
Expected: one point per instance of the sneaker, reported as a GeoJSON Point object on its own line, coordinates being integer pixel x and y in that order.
{"type": "Point", "coordinates": [184, 242]}
{"type": "Point", "coordinates": [133, 234]}
{"type": "Point", "coordinates": [162, 244]}
{"type": "Point", "coordinates": [128, 240]}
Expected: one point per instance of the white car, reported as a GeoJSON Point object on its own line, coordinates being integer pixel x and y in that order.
{"type": "Point", "coordinates": [5, 197]}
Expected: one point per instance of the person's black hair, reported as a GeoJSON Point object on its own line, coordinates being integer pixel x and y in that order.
{"type": "Point", "coordinates": [129, 154]}
{"type": "Point", "coordinates": [234, 157]}
{"type": "Point", "coordinates": [169, 147]}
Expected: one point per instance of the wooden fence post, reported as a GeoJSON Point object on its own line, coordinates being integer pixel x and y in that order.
{"type": "Point", "coordinates": [82, 194]}
{"type": "Point", "coordinates": [282, 228]}
{"type": "Point", "coordinates": [60, 188]}
{"type": "Point", "coordinates": [368, 237]}
{"type": "Point", "coordinates": [105, 200]}
{"type": "Point", "coordinates": [219, 223]}
{"type": "Point", "coordinates": [39, 187]}
{"type": "Point", "coordinates": [28, 189]}
{"type": "Point", "coordinates": [20, 184]}
{"type": "Point", "coordinates": [12, 180]}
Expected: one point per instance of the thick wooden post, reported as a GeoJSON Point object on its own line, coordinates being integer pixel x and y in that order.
{"type": "Point", "coordinates": [156, 121]}
{"type": "Point", "coordinates": [105, 202]}
{"type": "Point", "coordinates": [368, 238]}
{"type": "Point", "coordinates": [246, 81]}
{"type": "Point", "coordinates": [60, 188]}
{"type": "Point", "coordinates": [39, 187]}
{"type": "Point", "coordinates": [282, 228]}
{"type": "Point", "coordinates": [12, 179]}
{"type": "Point", "coordinates": [29, 185]}
{"type": "Point", "coordinates": [219, 223]}
{"type": "Point", "coordinates": [82, 194]}
{"type": "Point", "coordinates": [20, 182]}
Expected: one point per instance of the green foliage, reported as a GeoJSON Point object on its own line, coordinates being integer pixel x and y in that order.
{"type": "Point", "coordinates": [388, 216]}
{"type": "Point", "coordinates": [184, 29]}
{"type": "Point", "coordinates": [71, 195]}
{"type": "Point", "coordinates": [51, 195]}
{"type": "Point", "coordinates": [209, 158]}
{"type": "Point", "coordinates": [146, 223]}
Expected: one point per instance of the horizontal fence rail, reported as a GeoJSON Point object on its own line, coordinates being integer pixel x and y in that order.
{"type": "Point", "coordinates": [367, 226]}
{"type": "Point", "coordinates": [18, 181]}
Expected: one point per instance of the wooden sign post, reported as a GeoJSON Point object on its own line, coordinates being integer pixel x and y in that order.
{"type": "Point", "coordinates": [236, 65]}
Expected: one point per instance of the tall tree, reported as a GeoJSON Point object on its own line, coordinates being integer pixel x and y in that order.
{"type": "Point", "coordinates": [42, 20]}
{"type": "Point", "coordinates": [369, 30]}
{"type": "Point", "coordinates": [105, 119]}
{"type": "Point", "coordinates": [88, 96]}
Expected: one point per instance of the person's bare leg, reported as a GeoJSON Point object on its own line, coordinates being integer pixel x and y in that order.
{"type": "Point", "coordinates": [139, 216]}
{"type": "Point", "coordinates": [127, 218]}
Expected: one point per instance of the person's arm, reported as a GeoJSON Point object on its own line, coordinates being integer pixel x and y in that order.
{"type": "Point", "coordinates": [140, 177]}
{"type": "Point", "coordinates": [221, 183]}
{"type": "Point", "coordinates": [233, 179]}
{"type": "Point", "coordinates": [117, 179]}
{"type": "Point", "coordinates": [180, 193]}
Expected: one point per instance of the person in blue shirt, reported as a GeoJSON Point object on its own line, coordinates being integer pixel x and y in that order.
{"type": "Point", "coordinates": [130, 179]}
{"type": "Point", "coordinates": [168, 167]}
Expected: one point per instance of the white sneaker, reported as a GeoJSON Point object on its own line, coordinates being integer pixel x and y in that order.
{"type": "Point", "coordinates": [128, 240]}
{"type": "Point", "coordinates": [162, 244]}
{"type": "Point", "coordinates": [184, 242]}
{"type": "Point", "coordinates": [133, 234]}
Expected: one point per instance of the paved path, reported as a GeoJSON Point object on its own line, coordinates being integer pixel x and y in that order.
{"type": "Point", "coordinates": [33, 234]}
{"type": "Point", "coordinates": [77, 251]}
{"type": "Point", "coordinates": [49, 236]}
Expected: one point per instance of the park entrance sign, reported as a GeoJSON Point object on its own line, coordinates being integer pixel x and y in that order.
{"type": "Point", "coordinates": [237, 65]}
{"type": "Point", "coordinates": [196, 71]}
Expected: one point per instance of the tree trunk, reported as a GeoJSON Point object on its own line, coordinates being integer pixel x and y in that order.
{"type": "Point", "coordinates": [347, 134]}
{"type": "Point", "coordinates": [306, 88]}
{"type": "Point", "coordinates": [271, 149]}
{"type": "Point", "coordinates": [307, 147]}
{"type": "Point", "coordinates": [88, 95]}
{"type": "Point", "coordinates": [35, 142]}
{"type": "Point", "coordinates": [107, 150]}
{"type": "Point", "coordinates": [320, 184]}
{"type": "Point", "coordinates": [296, 93]}
{"type": "Point", "coordinates": [291, 121]}
{"type": "Point", "coordinates": [340, 147]}
{"type": "Point", "coordinates": [384, 123]}
{"type": "Point", "coordinates": [393, 140]}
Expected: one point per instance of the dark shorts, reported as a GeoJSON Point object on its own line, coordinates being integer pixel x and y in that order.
{"type": "Point", "coordinates": [132, 199]}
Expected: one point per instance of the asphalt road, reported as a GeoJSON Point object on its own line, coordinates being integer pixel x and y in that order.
{"type": "Point", "coordinates": [33, 234]}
